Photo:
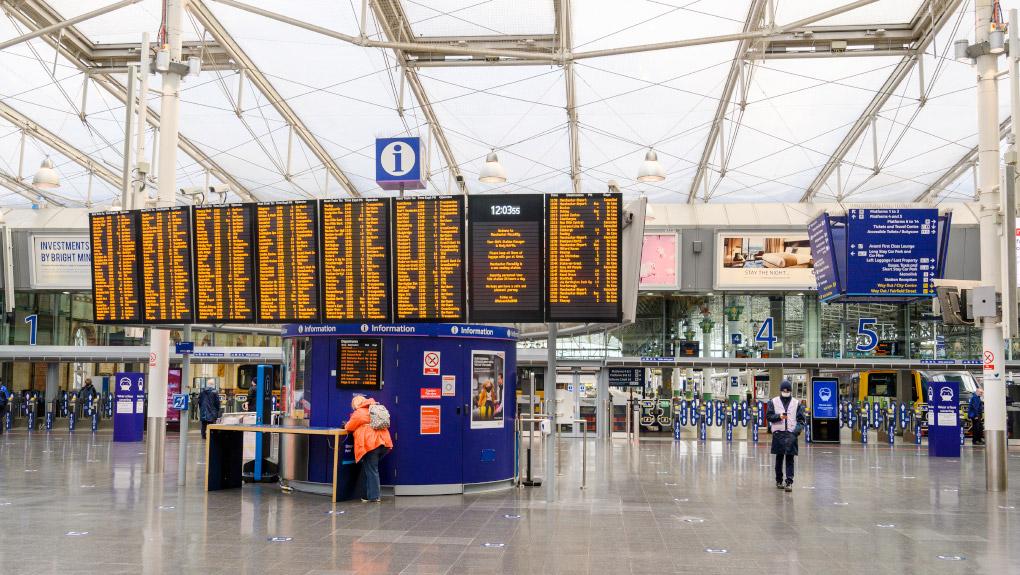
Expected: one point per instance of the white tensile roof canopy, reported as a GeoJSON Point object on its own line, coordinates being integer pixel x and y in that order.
{"type": "Point", "coordinates": [861, 105]}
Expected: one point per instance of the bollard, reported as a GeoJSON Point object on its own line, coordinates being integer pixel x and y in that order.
{"type": "Point", "coordinates": [729, 424]}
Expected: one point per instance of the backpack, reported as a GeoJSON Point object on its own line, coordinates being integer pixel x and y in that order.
{"type": "Point", "coordinates": [379, 416]}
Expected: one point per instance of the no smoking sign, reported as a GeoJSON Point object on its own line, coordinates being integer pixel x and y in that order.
{"type": "Point", "coordinates": [430, 363]}
{"type": "Point", "coordinates": [989, 360]}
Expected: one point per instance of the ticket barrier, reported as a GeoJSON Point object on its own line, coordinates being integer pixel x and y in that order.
{"type": "Point", "coordinates": [72, 411]}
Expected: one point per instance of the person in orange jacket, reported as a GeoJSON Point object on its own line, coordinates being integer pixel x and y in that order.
{"type": "Point", "coordinates": [370, 446]}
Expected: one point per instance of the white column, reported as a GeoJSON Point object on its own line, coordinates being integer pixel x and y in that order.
{"type": "Point", "coordinates": [159, 350]}
{"type": "Point", "coordinates": [991, 249]}
{"type": "Point", "coordinates": [550, 411]}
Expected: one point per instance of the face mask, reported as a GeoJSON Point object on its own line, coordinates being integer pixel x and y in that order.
{"type": "Point", "coordinates": [785, 394]}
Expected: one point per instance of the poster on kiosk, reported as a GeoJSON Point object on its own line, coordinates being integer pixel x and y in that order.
{"type": "Point", "coordinates": [129, 406]}
{"type": "Point", "coordinates": [943, 419]}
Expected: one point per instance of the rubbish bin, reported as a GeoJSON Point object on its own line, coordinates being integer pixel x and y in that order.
{"type": "Point", "coordinates": [294, 452]}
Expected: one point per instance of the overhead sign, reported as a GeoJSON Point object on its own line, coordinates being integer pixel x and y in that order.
{"type": "Point", "coordinates": [764, 261]}
{"type": "Point", "coordinates": [824, 254]}
{"type": "Point", "coordinates": [355, 259]}
{"type": "Point", "coordinates": [398, 163]}
{"type": "Point", "coordinates": [116, 282]}
{"type": "Point", "coordinates": [166, 265]}
{"type": "Point", "coordinates": [287, 260]}
{"type": "Point", "coordinates": [892, 252]}
{"type": "Point", "coordinates": [185, 347]}
{"type": "Point", "coordinates": [224, 255]}
{"type": "Point", "coordinates": [60, 261]}
{"type": "Point", "coordinates": [428, 259]}
{"type": "Point", "coordinates": [627, 376]}
{"type": "Point", "coordinates": [825, 398]}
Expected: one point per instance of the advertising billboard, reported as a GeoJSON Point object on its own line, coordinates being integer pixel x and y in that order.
{"type": "Point", "coordinates": [764, 261]}
{"type": "Point", "coordinates": [660, 262]}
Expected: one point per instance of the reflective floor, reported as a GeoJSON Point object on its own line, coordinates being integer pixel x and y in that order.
{"type": "Point", "coordinates": [82, 504]}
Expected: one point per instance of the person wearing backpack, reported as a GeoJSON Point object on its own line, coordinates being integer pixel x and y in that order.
{"type": "Point", "coordinates": [369, 424]}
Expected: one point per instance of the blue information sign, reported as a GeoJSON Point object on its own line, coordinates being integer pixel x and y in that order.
{"type": "Point", "coordinates": [824, 254]}
{"type": "Point", "coordinates": [180, 401]}
{"type": "Point", "coordinates": [824, 398]}
{"type": "Point", "coordinates": [398, 163]}
{"type": "Point", "coordinates": [943, 419]}
{"type": "Point", "coordinates": [893, 252]}
{"type": "Point", "coordinates": [185, 347]}
{"type": "Point", "coordinates": [129, 406]}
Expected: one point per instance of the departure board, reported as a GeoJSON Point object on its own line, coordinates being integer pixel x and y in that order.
{"type": "Point", "coordinates": [359, 363]}
{"type": "Point", "coordinates": [224, 263]}
{"type": "Point", "coordinates": [287, 255]}
{"type": "Point", "coordinates": [115, 277]}
{"type": "Point", "coordinates": [583, 257]}
{"type": "Point", "coordinates": [428, 267]}
{"type": "Point", "coordinates": [355, 260]}
{"type": "Point", "coordinates": [166, 265]}
{"type": "Point", "coordinates": [506, 258]}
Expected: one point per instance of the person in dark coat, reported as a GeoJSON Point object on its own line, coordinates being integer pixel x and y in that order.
{"type": "Point", "coordinates": [88, 391]}
{"type": "Point", "coordinates": [976, 413]}
{"type": "Point", "coordinates": [208, 407]}
{"type": "Point", "coordinates": [787, 417]}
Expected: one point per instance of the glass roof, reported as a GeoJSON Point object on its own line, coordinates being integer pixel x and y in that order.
{"type": "Point", "coordinates": [778, 128]}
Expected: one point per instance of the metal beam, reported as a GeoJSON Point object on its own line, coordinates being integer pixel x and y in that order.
{"type": "Point", "coordinates": [966, 162]}
{"type": "Point", "coordinates": [254, 75]}
{"type": "Point", "coordinates": [76, 48]}
{"type": "Point", "coordinates": [395, 24]}
{"type": "Point", "coordinates": [28, 192]}
{"type": "Point", "coordinates": [933, 14]}
{"type": "Point", "coordinates": [58, 26]}
{"type": "Point", "coordinates": [755, 14]}
{"type": "Point", "coordinates": [58, 144]}
{"type": "Point", "coordinates": [565, 26]}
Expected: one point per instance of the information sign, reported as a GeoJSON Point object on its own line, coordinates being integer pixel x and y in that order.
{"type": "Point", "coordinates": [627, 376]}
{"type": "Point", "coordinates": [824, 254]}
{"type": "Point", "coordinates": [825, 398]}
{"type": "Point", "coordinates": [166, 265]}
{"type": "Point", "coordinates": [893, 252]}
{"type": "Point", "coordinates": [224, 263]}
{"type": "Point", "coordinates": [355, 260]}
{"type": "Point", "coordinates": [115, 277]}
{"type": "Point", "coordinates": [428, 259]}
{"type": "Point", "coordinates": [583, 265]}
{"type": "Point", "coordinates": [506, 258]}
{"type": "Point", "coordinates": [286, 248]}
{"type": "Point", "coordinates": [359, 363]}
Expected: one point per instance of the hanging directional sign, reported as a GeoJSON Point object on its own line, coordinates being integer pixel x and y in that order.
{"type": "Point", "coordinates": [398, 164]}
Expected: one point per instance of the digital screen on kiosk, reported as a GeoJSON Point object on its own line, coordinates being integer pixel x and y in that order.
{"type": "Point", "coordinates": [506, 258]}
{"type": "Point", "coordinates": [116, 285]}
{"type": "Point", "coordinates": [355, 260]}
{"type": "Point", "coordinates": [166, 265]}
{"type": "Point", "coordinates": [287, 255]}
{"type": "Point", "coordinates": [224, 263]}
{"type": "Point", "coordinates": [583, 257]}
{"type": "Point", "coordinates": [359, 363]}
{"type": "Point", "coordinates": [428, 264]}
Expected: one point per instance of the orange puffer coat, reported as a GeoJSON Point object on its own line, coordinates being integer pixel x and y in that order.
{"type": "Point", "coordinates": [365, 438]}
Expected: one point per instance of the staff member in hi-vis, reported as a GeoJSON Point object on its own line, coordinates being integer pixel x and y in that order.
{"type": "Point", "coordinates": [787, 418]}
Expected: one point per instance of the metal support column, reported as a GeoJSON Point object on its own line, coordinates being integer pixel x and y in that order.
{"type": "Point", "coordinates": [182, 457]}
{"type": "Point", "coordinates": [550, 411]}
{"type": "Point", "coordinates": [168, 140]}
{"type": "Point", "coordinates": [991, 249]}
{"type": "Point", "coordinates": [603, 406]}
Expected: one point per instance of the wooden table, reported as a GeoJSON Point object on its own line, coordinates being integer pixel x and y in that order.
{"type": "Point", "coordinates": [224, 451]}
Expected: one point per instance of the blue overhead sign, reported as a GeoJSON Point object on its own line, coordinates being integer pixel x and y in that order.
{"type": "Point", "coordinates": [824, 254]}
{"type": "Point", "coordinates": [398, 164]}
{"type": "Point", "coordinates": [185, 347]}
{"type": "Point", "coordinates": [824, 398]}
{"type": "Point", "coordinates": [892, 252]}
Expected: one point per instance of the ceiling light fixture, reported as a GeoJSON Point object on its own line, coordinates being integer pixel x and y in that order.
{"type": "Point", "coordinates": [492, 172]}
{"type": "Point", "coordinates": [651, 170]}
{"type": "Point", "coordinates": [46, 178]}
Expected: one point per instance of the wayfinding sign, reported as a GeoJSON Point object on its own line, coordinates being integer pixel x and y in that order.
{"type": "Point", "coordinates": [892, 252]}
{"type": "Point", "coordinates": [627, 376]}
{"type": "Point", "coordinates": [398, 163]}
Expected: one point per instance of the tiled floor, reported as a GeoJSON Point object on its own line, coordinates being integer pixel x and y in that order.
{"type": "Point", "coordinates": [82, 504]}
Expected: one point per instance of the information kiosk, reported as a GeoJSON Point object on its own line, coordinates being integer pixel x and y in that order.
{"type": "Point", "coordinates": [449, 388]}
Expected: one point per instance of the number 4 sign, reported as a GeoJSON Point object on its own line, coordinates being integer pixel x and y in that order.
{"type": "Point", "coordinates": [766, 334]}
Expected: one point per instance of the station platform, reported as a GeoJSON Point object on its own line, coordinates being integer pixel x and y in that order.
{"type": "Point", "coordinates": [82, 504]}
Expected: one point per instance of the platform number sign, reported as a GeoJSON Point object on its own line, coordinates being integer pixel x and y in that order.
{"type": "Point", "coordinates": [766, 334]}
{"type": "Point", "coordinates": [33, 328]}
{"type": "Point", "coordinates": [864, 331]}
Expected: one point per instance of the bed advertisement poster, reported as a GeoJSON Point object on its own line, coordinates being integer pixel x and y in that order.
{"type": "Point", "coordinates": [764, 261]}
{"type": "Point", "coordinates": [487, 389]}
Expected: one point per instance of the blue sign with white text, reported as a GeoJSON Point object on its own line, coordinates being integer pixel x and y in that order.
{"type": "Point", "coordinates": [180, 401]}
{"type": "Point", "coordinates": [893, 252]}
{"type": "Point", "coordinates": [129, 406]}
{"type": "Point", "coordinates": [943, 418]}
{"type": "Point", "coordinates": [185, 347]}
{"type": "Point", "coordinates": [824, 398]}
{"type": "Point", "coordinates": [824, 254]}
{"type": "Point", "coordinates": [398, 163]}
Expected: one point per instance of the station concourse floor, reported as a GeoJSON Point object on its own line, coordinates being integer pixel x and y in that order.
{"type": "Point", "coordinates": [82, 504]}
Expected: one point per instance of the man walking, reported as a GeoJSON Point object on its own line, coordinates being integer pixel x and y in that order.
{"type": "Point", "coordinates": [786, 417]}
{"type": "Point", "coordinates": [976, 413]}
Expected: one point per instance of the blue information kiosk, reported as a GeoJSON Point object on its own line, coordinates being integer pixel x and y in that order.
{"type": "Point", "coordinates": [450, 390]}
{"type": "Point", "coordinates": [943, 419]}
{"type": "Point", "coordinates": [129, 406]}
